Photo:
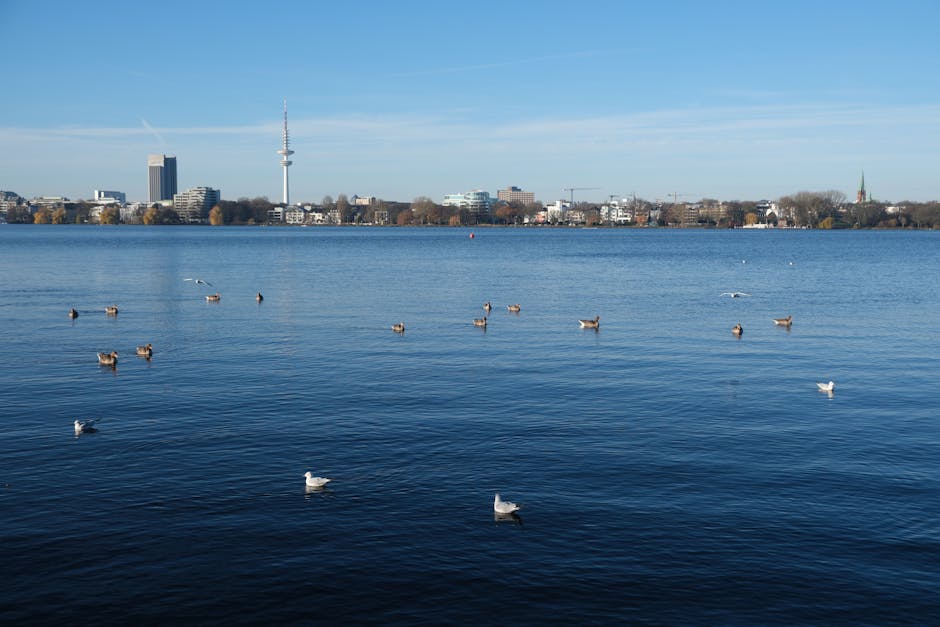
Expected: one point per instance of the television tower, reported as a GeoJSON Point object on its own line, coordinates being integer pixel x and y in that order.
{"type": "Point", "coordinates": [285, 152]}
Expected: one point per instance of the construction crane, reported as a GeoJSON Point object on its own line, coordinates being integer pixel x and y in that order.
{"type": "Point", "coordinates": [572, 190]}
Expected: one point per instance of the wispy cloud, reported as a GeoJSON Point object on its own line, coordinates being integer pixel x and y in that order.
{"type": "Point", "coordinates": [153, 130]}
{"type": "Point", "coordinates": [691, 123]}
{"type": "Point", "coordinates": [501, 64]}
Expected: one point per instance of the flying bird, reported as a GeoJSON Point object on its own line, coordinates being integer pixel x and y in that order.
{"type": "Point", "coordinates": [315, 482]}
{"type": "Point", "coordinates": [734, 294]}
{"type": "Point", "coordinates": [199, 282]}
{"type": "Point", "coordinates": [504, 507]}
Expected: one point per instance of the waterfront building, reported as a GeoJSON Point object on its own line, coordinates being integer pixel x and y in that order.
{"type": "Point", "coordinates": [362, 201]}
{"type": "Point", "coordinates": [107, 197]}
{"type": "Point", "coordinates": [162, 177]}
{"type": "Point", "coordinates": [477, 202]}
{"type": "Point", "coordinates": [555, 212]}
{"type": "Point", "coordinates": [194, 204]}
{"type": "Point", "coordinates": [515, 194]}
{"type": "Point", "coordinates": [295, 215]}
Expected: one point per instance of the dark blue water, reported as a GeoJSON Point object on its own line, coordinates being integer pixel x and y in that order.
{"type": "Point", "coordinates": [669, 472]}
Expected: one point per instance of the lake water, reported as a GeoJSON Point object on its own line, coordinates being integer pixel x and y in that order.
{"type": "Point", "coordinates": [669, 472]}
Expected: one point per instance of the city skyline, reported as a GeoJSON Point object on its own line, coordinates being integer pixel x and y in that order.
{"type": "Point", "coordinates": [673, 101]}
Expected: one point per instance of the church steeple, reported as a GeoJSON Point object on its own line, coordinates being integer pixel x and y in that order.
{"type": "Point", "coordinates": [861, 196]}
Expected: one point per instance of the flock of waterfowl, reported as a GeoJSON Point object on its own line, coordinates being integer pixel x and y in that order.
{"type": "Point", "coordinates": [146, 351]}
{"type": "Point", "coordinates": [502, 509]}
{"type": "Point", "coordinates": [515, 308]}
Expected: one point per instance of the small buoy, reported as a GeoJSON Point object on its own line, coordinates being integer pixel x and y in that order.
{"type": "Point", "coordinates": [472, 236]}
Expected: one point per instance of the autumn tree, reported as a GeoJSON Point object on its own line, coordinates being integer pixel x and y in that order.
{"type": "Point", "coordinates": [59, 216]}
{"type": "Point", "coordinates": [405, 217]}
{"type": "Point", "coordinates": [215, 216]}
{"type": "Point", "coordinates": [160, 215]}
{"type": "Point", "coordinates": [344, 209]}
{"type": "Point", "coordinates": [424, 210]}
{"type": "Point", "coordinates": [42, 216]}
{"type": "Point", "coordinates": [109, 215]}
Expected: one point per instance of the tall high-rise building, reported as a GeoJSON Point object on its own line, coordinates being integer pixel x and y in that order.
{"type": "Point", "coordinates": [162, 171]}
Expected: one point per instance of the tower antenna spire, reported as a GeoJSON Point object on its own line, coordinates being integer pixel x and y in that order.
{"type": "Point", "coordinates": [286, 152]}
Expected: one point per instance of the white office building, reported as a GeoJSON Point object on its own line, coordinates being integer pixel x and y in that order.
{"type": "Point", "coordinates": [194, 204]}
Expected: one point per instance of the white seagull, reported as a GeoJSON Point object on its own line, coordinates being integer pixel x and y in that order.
{"type": "Point", "coordinates": [733, 294]}
{"type": "Point", "coordinates": [504, 507]}
{"type": "Point", "coordinates": [826, 387]}
{"type": "Point", "coordinates": [315, 482]}
{"type": "Point", "coordinates": [199, 282]}
{"type": "Point", "coordinates": [84, 426]}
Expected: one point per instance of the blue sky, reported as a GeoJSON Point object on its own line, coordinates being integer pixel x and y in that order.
{"type": "Point", "coordinates": [728, 100]}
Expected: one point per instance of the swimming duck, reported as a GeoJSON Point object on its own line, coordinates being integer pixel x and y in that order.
{"type": "Point", "coordinates": [72, 313]}
{"type": "Point", "coordinates": [145, 351]}
{"type": "Point", "coordinates": [487, 306]}
{"type": "Point", "coordinates": [108, 359]}
{"type": "Point", "coordinates": [480, 322]}
{"type": "Point", "coordinates": [399, 328]}
{"type": "Point", "coordinates": [214, 298]}
{"type": "Point", "coordinates": [514, 308]}
{"type": "Point", "coordinates": [259, 297]}
{"type": "Point", "coordinates": [783, 322]}
{"type": "Point", "coordinates": [590, 324]}
{"type": "Point", "coordinates": [737, 329]}
{"type": "Point", "coordinates": [112, 310]}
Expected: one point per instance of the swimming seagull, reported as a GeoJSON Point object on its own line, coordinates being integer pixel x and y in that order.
{"type": "Point", "coordinates": [504, 507]}
{"type": "Point", "coordinates": [734, 294]}
{"type": "Point", "coordinates": [84, 426]}
{"type": "Point", "coordinates": [315, 482]}
{"type": "Point", "coordinates": [826, 387]}
{"type": "Point", "coordinates": [199, 282]}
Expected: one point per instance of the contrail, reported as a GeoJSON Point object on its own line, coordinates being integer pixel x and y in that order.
{"type": "Point", "coordinates": [153, 130]}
